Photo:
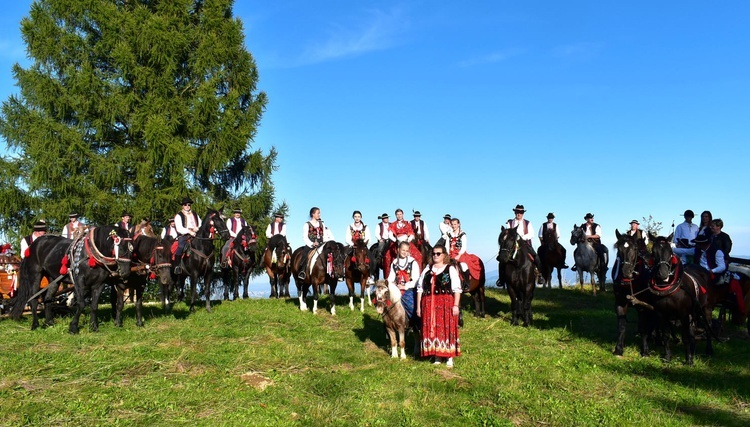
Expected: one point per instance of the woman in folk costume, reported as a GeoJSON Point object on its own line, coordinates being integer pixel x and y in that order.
{"type": "Point", "coordinates": [470, 265]}
{"type": "Point", "coordinates": [401, 231]}
{"type": "Point", "coordinates": [404, 274]}
{"type": "Point", "coordinates": [357, 230]}
{"type": "Point", "coordinates": [314, 234]}
{"type": "Point", "coordinates": [438, 296]}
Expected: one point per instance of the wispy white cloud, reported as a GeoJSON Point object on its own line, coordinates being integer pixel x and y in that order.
{"type": "Point", "coordinates": [583, 50]}
{"type": "Point", "coordinates": [492, 57]}
{"type": "Point", "coordinates": [379, 30]}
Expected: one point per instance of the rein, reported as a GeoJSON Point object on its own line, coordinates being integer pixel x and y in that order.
{"type": "Point", "coordinates": [669, 286]}
{"type": "Point", "coordinates": [94, 253]}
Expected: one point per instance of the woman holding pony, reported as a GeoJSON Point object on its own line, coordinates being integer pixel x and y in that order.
{"type": "Point", "coordinates": [438, 295]}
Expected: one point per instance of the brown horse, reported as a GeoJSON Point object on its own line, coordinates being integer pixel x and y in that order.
{"type": "Point", "coordinates": [327, 269]}
{"type": "Point", "coordinates": [277, 259]}
{"type": "Point", "coordinates": [388, 305]}
{"type": "Point", "coordinates": [357, 270]}
{"type": "Point", "coordinates": [551, 256]}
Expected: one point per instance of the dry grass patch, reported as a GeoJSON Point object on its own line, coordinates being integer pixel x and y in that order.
{"type": "Point", "coordinates": [256, 380]}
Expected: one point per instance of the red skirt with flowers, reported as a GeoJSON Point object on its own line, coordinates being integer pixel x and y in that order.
{"type": "Point", "coordinates": [439, 326]}
{"type": "Point", "coordinates": [473, 262]}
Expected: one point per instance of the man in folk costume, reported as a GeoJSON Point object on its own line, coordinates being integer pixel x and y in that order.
{"type": "Point", "coordinates": [470, 263]}
{"type": "Point", "coordinates": [187, 224]}
{"type": "Point", "coordinates": [383, 230]}
{"type": "Point", "coordinates": [124, 222]}
{"type": "Point", "coordinates": [404, 274]}
{"type": "Point", "coordinates": [684, 235]}
{"type": "Point", "coordinates": [551, 225]}
{"type": "Point", "coordinates": [401, 231]}
{"type": "Point", "coordinates": [234, 225]}
{"type": "Point", "coordinates": [277, 226]}
{"type": "Point", "coordinates": [444, 228]}
{"type": "Point", "coordinates": [593, 233]}
{"type": "Point", "coordinates": [314, 235]}
{"type": "Point", "coordinates": [641, 237]}
{"type": "Point", "coordinates": [420, 228]}
{"type": "Point", "coordinates": [526, 232]}
{"type": "Point", "coordinates": [71, 226]}
{"type": "Point", "coordinates": [170, 230]}
{"type": "Point", "coordinates": [39, 229]}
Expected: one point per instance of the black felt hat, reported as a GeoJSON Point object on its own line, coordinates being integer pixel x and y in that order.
{"type": "Point", "coordinates": [519, 208]}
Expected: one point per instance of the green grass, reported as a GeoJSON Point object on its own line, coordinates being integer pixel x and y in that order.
{"type": "Point", "coordinates": [263, 362]}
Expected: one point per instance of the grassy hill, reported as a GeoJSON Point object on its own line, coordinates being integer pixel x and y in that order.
{"type": "Point", "coordinates": [263, 362]}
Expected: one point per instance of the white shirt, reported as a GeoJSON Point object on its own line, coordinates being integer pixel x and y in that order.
{"type": "Point", "coordinates": [401, 264]}
{"type": "Point", "coordinates": [273, 229]}
{"type": "Point", "coordinates": [448, 236]}
{"type": "Point", "coordinates": [589, 232]}
{"type": "Point", "coordinates": [425, 233]}
{"type": "Point", "coordinates": [238, 224]}
{"type": "Point", "coordinates": [385, 235]}
{"type": "Point", "coordinates": [444, 228]}
{"type": "Point", "coordinates": [545, 226]}
{"type": "Point", "coordinates": [355, 227]}
{"type": "Point", "coordinates": [25, 245]}
{"type": "Point", "coordinates": [327, 235]}
{"type": "Point", "coordinates": [455, 280]}
{"type": "Point", "coordinates": [190, 218]}
{"type": "Point", "coordinates": [518, 225]}
{"type": "Point", "coordinates": [169, 230]}
{"type": "Point", "coordinates": [69, 229]}
{"type": "Point", "coordinates": [721, 266]}
{"type": "Point", "coordinates": [686, 230]}
{"type": "Point", "coordinates": [643, 233]}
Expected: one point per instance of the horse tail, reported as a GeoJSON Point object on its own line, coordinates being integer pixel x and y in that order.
{"type": "Point", "coordinates": [23, 293]}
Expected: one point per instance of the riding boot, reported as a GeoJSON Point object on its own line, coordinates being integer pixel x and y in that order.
{"type": "Point", "coordinates": [539, 277]}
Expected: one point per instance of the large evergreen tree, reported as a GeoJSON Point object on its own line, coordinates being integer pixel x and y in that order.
{"type": "Point", "coordinates": [132, 104]}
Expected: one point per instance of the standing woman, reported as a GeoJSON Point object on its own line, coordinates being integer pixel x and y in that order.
{"type": "Point", "coordinates": [438, 295]}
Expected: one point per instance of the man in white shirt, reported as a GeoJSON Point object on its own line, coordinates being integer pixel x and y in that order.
{"type": "Point", "coordinates": [684, 235]}
{"type": "Point", "coordinates": [277, 226]}
{"type": "Point", "coordinates": [187, 224]}
{"type": "Point", "coordinates": [40, 229]}
{"type": "Point", "coordinates": [234, 225]}
{"type": "Point", "coordinates": [420, 228]}
{"type": "Point", "coordinates": [170, 230]}
{"type": "Point", "coordinates": [71, 226]}
{"type": "Point", "coordinates": [550, 225]}
{"type": "Point", "coordinates": [525, 232]}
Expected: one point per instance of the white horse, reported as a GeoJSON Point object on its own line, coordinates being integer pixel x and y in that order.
{"type": "Point", "coordinates": [587, 260]}
{"type": "Point", "coordinates": [388, 305]}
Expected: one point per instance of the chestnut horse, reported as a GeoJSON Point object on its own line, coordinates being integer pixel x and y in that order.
{"type": "Point", "coordinates": [357, 270]}
{"type": "Point", "coordinates": [277, 259]}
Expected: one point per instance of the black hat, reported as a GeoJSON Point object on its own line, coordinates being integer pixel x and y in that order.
{"type": "Point", "coordinates": [689, 213]}
{"type": "Point", "coordinates": [186, 200]}
{"type": "Point", "coordinates": [519, 208]}
{"type": "Point", "coordinates": [384, 216]}
{"type": "Point", "coordinates": [588, 215]}
{"type": "Point", "coordinates": [237, 210]}
{"type": "Point", "coordinates": [126, 213]}
{"type": "Point", "coordinates": [40, 225]}
{"type": "Point", "coordinates": [278, 215]}
{"type": "Point", "coordinates": [635, 221]}
{"type": "Point", "coordinates": [417, 213]}
{"type": "Point", "coordinates": [447, 216]}
{"type": "Point", "coordinates": [701, 238]}
{"type": "Point", "coordinates": [550, 215]}
{"type": "Point", "coordinates": [73, 215]}
{"type": "Point", "coordinates": [170, 219]}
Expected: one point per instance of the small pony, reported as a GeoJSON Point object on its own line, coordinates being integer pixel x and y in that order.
{"type": "Point", "coordinates": [388, 305]}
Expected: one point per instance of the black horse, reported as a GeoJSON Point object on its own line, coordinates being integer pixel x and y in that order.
{"type": "Point", "coordinates": [676, 296]}
{"type": "Point", "coordinates": [88, 262]}
{"type": "Point", "coordinates": [551, 256]}
{"type": "Point", "coordinates": [242, 259]}
{"type": "Point", "coordinates": [630, 277]}
{"type": "Point", "coordinates": [277, 258]}
{"type": "Point", "coordinates": [517, 272]}
{"type": "Point", "coordinates": [151, 261]}
{"type": "Point", "coordinates": [378, 254]}
{"type": "Point", "coordinates": [198, 257]}
{"type": "Point", "coordinates": [327, 269]}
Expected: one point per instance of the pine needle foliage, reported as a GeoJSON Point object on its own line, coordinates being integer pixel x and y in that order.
{"type": "Point", "coordinates": [132, 105]}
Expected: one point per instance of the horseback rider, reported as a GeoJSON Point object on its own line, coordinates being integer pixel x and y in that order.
{"type": "Point", "coordinates": [593, 232]}
{"type": "Point", "coordinates": [383, 230]}
{"type": "Point", "coordinates": [525, 232]}
{"type": "Point", "coordinates": [456, 239]}
{"type": "Point", "coordinates": [170, 230]}
{"type": "Point", "coordinates": [684, 235]}
{"type": "Point", "coordinates": [420, 228]}
{"type": "Point", "coordinates": [445, 226]}
{"type": "Point", "coordinates": [720, 239]}
{"type": "Point", "coordinates": [641, 237]}
{"type": "Point", "coordinates": [235, 223]}
{"type": "Point", "coordinates": [71, 226]}
{"type": "Point", "coordinates": [186, 223]}
{"type": "Point", "coordinates": [551, 225]}
{"type": "Point", "coordinates": [401, 231]}
{"type": "Point", "coordinates": [358, 231]}
{"type": "Point", "coordinates": [124, 222]}
{"type": "Point", "coordinates": [404, 273]}
{"type": "Point", "coordinates": [314, 235]}
{"type": "Point", "coordinates": [277, 226]}
{"type": "Point", "coordinates": [39, 229]}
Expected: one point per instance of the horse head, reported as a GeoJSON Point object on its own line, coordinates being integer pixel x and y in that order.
{"type": "Point", "coordinates": [246, 240]}
{"type": "Point", "coordinates": [577, 235]}
{"type": "Point", "coordinates": [279, 245]}
{"type": "Point", "coordinates": [214, 222]}
{"type": "Point", "coordinates": [627, 253]}
{"type": "Point", "coordinates": [665, 262]}
{"type": "Point", "coordinates": [118, 241]}
{"type": "Point", "coordinates": [386, 295]}
{"type": "Point", "coordinates": [549, 236]}
{"type": "Point", "coordinates": [360, 257]}
{"type": "Point", "coordinates": [161, 261]}
{"type": "Point", "coordinates": [508, 241]}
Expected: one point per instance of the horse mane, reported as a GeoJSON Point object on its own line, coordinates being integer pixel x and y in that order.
{"type": "Point", "coordinates": [144, 228]}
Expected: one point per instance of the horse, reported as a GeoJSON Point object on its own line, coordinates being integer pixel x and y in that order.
{"type": "Point", "coordinates": [733, 295]}
{"type": "Point", "coordinates": [676, 295]}
{"type": "Point", "coordinates": [277, 259]}
{"type": "Point", "coordinates": [517, 271]}
{"type": "Point", "coordinates": [357, 269]}
{"type": "Point", "coordinates": [241, 258]}
{"type": "Point", "coordinates": [198, 257]}
{"type": "Point", "coordinates": [328, 268]}
{"type": "Point", "coordinates": [630, 277]}
{"type": "Point", "coordinates": [151, 260]}
{"type": "Point", "coordinates": [86, 262]}
{"type": "Point", "coordinates": [379, 258]}
{"type": "Point", "coordinates": [425, 249]}
{"type": "Point", "coordinates": [389, 307]}
{"type": "Point", "coordinates": [588, 260]}
{"type": "Point", "coordinates": [551, 257]}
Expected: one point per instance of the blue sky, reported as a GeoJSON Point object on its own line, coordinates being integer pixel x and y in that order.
{"type": "Point", "coordinates": [622, 109]}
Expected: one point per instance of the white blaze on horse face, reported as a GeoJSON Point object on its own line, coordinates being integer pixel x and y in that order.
{"type": "Point", "coordinates": [626, 245]}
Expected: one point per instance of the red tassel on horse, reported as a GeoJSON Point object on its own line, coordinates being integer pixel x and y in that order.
{"type": "Point", "coordinates": [152, 276]}
{"type": "Point", "coordinates": [65, 263]}
{"type": "Point", "coordinates": [27, 253]}
{"type": "Point", "coordinates": [92, 262]}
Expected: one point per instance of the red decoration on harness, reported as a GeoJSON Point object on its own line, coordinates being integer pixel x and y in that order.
{"type": "Point", "coordinates": [92, 262]}
{"type": "Point", "coordinates": [152, 276]}
{"type": "Point", "coordinates": [674, 260]}
{"type": "Point", "coordinates": [27, 252]}
{"type": "Point", "coordinates": [367, 260]}
{"type": "Point", "coordinates": [354, 259]}
{"type": "Point", "coordinates": [64, 266]}
{"type": "Point", "coordinates": [388, 303]}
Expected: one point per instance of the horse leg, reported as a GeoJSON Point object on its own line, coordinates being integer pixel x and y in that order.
{"type": "Point", "coordinates": [665, 330]}
{"type": "Point", "coordinates": [332, 296]}
{"type": "Point", "coordinates": [513, 305]}
{"type": "Point", "coordinates": [139, 306]}
{"type": "Point", "coordinates": [592, 276]}
{"type": "Point", "coordinates": [301, 294]}
{"type": "Point", "coordinates": [207, 278]}
{"type": "Point", "coordinates": [226, 277]}
{"type": "Point", "coordinates": [193, 291]}
{"type": "Point", "coordinates": [621, 310]}
{"type": "Point", "coordinates": [245, 283]}
{"type": "Point", "coordinates": [350, 288]}
{"type": "Point", "coordinates": [118, 303]}
{"type": "Point", "coordinates": [688, 339]}
{"type": "Point", "coordinates": [392, 337]}
{"type": "Point", "coordinates": [316, 293]}
{"type": "Point", "coordinates": [402, 337]}
{"type": "Point", "coordinates": [93, 319]}
{"type": "Point", "coordinates": [559, 277]}
{"type": "Point", "coordinates": [80, 301]}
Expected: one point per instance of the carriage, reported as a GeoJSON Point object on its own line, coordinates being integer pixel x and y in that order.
{"type": "Point", "coordinates": [9, 276]}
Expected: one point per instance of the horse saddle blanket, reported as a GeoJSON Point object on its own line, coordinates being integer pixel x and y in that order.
{"type": "Point", "coordinates": [740, 268]}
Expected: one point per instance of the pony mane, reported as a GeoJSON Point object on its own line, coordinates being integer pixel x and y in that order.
{"type": "Point", "coordinates": [395, 293]}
